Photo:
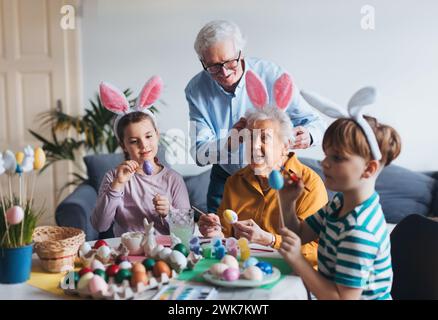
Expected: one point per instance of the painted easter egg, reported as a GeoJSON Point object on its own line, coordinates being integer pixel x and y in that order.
{"type": "Point", "coordinates": [231, 274]}
{"type": "Point", "coordinates": [147, 167]}
{"type": "Point", "coordinates": [149, 263]}
{"type": "Point", "coordinates": [251, 261]}
{"type": "Point", "coordinates": [84, 271]}
{"type": "Point", "coordinates": [266, 267]}
{"type": "Point", "coordinates": [218, 269]}
{"type": "Point", "coordinates": [230, 216]}
{"type": "Point", "coordinates": [100, 243]}
{"type": "Point", "coordinates": [96, 264]}
{"type": "Point", "coordinates": [112, 270]}
{"type": "Point", "coordinates": [125, 265]}
{"type": "Point", "coordinates": [14, 215]}
{"type": "Point", "coordinates": [97, 284]}
{"type": "Point", "coordinates": [181, 248]}
{"type": "Point", "coordinates": [253, 273]}
{"type": "Point", "coordinates": [85, 248]}
{"type": "Point", "coordinates": [139, 277]}
{"type": "Point", "coordinates": [104, 252]}
{"type": "Point", "coordinates": [230, 261]}
{"type": "Point", "coordinates": [164, 254]}
{"type": "Point", "coordinates": [276, 180]}
{"type": "Point", "coordinates": [178, 259]}
{"type": "Point", "coordinates": [161, 267]}
{"type": "Point", "coordinates": [84, 280]}
{"type": "Point", "coordinates": [138, 267]}
{"type": "Point", "coordinates": [101, 273]}
{"type": "Point", "coordinates": [123, 274]}
{"type": "Point", "coordinates": [40, 158]}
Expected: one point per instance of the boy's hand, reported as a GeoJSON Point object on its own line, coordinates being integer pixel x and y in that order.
{"type": "Point", "coordinates": [291, 190]}
{"type": "Point", "coordinates": [290, 246]}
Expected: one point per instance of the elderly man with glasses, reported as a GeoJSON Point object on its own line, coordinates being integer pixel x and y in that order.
{"type": "Point", "coordinates": [218, 101]}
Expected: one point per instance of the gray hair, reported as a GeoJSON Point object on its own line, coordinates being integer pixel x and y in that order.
{"type": "Point", "coordinates": [217, 31]}
{"type": "Point", "coordinates": [273, 114]}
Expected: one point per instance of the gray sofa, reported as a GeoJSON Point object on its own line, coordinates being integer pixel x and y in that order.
{"type": "Point", "coordinates": [402, 191]}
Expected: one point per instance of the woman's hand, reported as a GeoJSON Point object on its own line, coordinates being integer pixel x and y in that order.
{"type": "Point", "coordinates": [251, 231]}
{"type": "Point", "coordinates": [210, 225]}
{"type": "Point", "coordinates": [290, 247]}
{"type": "Point", "coordinates": [124, 172]}
{"type": "Point", "coordinates": [161, 204]}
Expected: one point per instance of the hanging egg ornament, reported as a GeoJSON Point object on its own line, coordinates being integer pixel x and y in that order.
{"type": "Point", "coordinates": [40, 159]}
{"type": "Point", "coordinates": [147, 167]}
{"type": "Point", "coordinates": [276, 180]}
{"type": "Point", "coordinates": [9, 162]}
{"type": "Point", "coordinates": [19, 157]}
{"type": "Point", "coordinates": [14, 215]}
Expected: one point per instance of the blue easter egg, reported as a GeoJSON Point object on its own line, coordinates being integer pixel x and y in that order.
{"type": "Point", "coordinates": [250, 262]}
{"type": "Point", "coordinates": [266, 267]}
{"type": "Point", "coordinates": [147, 167]}
{"type": "Point", "coordinates": [276, 180]}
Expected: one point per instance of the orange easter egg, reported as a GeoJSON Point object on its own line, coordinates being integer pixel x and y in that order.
{"type": "Point", "coordinates": [161, 267]}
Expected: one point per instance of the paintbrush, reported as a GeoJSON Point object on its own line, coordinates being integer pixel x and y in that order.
{"type": "Point", "coordinates": [202, 212]}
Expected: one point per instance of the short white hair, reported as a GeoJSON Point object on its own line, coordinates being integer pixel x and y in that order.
{"type": "Point", "coordinates": [273, 114]}
{"type": "Point", "coordinates": [217, 31]}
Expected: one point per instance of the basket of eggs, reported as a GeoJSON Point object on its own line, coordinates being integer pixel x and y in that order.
{"type": "Point", "coordinates": [57, 247]}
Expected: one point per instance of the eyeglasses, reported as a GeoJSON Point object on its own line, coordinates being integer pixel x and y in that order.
{"type": "Point", "coordinates": [229, 65]}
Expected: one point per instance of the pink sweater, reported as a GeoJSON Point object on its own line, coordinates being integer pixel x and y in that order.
{"type": "Point", "coordinates": [129, 207]}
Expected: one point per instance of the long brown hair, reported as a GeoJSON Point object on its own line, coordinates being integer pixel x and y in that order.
{"type": "Point", "coordinates": [346, 137]}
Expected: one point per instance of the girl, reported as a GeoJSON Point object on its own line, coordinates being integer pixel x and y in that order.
{"type": "Point", "coordinates": [354, 260]}
{"type": "Point", "coordinates": [127, 194]}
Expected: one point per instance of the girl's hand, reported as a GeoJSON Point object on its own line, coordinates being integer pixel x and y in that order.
{"type": "Point", "coordinates": [210, 225]}
{"type": "Point", "coordinates": [162, 205]}
{"type": "Point", "coordinates": [251, 231]}
{"type": "Point", "coordinates": [124, 172]}
{"type": "Point", "coordinates": [290, 246]}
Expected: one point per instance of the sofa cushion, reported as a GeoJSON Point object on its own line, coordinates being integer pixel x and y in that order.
{"type": "Point", "coordinates": [402, 191]}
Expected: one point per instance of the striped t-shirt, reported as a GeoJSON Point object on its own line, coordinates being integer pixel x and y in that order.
{"type": "Point", "coordinates": [355, 250]}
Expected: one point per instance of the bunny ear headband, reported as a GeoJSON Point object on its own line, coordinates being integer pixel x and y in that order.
{"type": "Point", "coordinates": [115, 101]}
{"type": "Point", "coordinates": [360, 99]}
{"type": "Point", "coordinates": [283, 90]}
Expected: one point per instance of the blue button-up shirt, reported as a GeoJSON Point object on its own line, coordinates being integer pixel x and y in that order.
{"type": "Point", "coordinates": [213, 112]}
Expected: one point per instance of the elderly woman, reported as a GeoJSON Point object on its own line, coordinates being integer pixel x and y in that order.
{"type": "Point", "coordinates": [218, 100]}
{"type": "Point", "coordinates": [248, 193]}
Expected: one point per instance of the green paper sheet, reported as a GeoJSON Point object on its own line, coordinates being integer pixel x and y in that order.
{"type": "Point", "coordinates": [205, 264]}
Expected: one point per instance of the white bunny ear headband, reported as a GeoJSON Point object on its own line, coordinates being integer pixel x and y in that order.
{"type": "Point", "coordinates": [115, 101]}
{"type": "Point", "coordinates": [283, 90]}
{"type": "Point", "coordinates": [360, 99]}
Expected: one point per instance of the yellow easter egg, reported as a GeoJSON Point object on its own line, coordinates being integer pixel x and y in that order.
{"type": "Point", "coordinates": [40, 158]}
{"type": "Point", "coordinates": [19, 156]}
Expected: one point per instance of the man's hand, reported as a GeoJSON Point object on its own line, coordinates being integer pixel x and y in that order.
{"type": "Point", "coordinates": [302, 138]}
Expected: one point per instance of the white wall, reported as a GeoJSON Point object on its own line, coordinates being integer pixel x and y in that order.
{"type": "Point", "coordinates": [320, 42]}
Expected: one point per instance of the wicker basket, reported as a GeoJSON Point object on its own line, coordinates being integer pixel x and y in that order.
{"type": "Point", "coordinates": [57, 247]}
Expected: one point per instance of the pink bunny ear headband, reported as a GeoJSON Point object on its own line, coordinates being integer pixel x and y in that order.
{"type": "Point", "coordinates": [361, 98]}
{"type": "Point", "coordinates": [115, 101]}
{"type": "Point", "coordinates": [283, 90]}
